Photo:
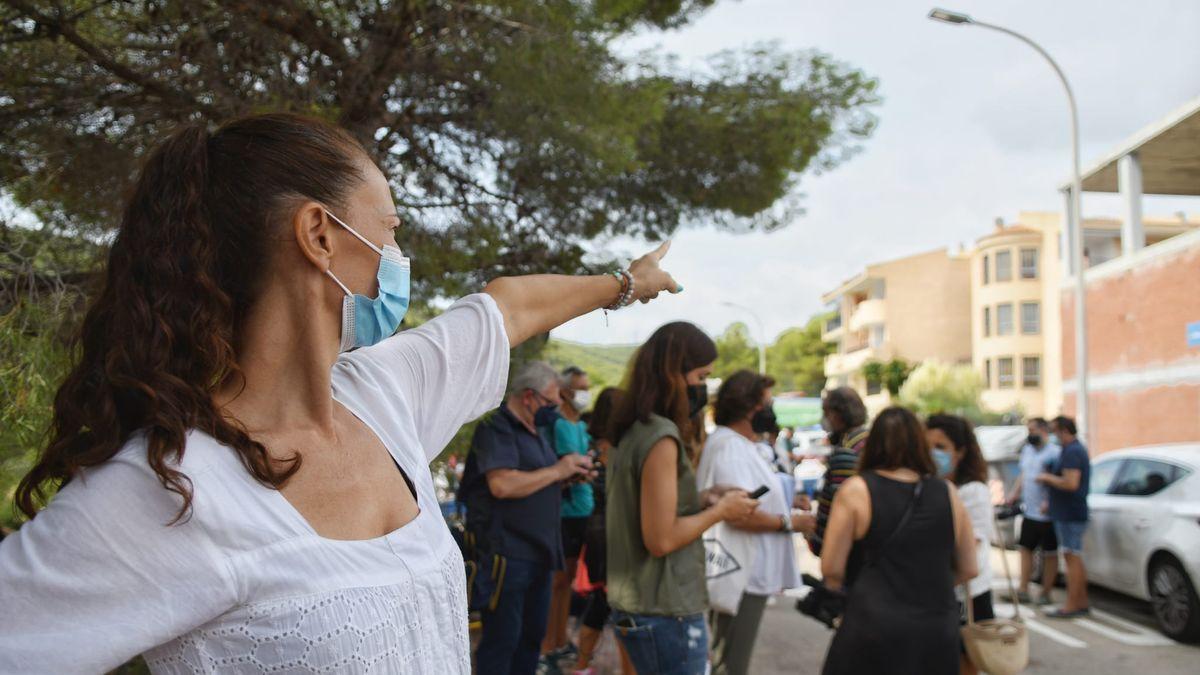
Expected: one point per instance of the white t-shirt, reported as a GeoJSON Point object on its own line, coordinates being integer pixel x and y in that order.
{"type": "Point", "coordinates": [734, 459]}
{"type": "Point", "coordinates": [977, 500]}
{"type": "Point", "coordinates": [246, 585]}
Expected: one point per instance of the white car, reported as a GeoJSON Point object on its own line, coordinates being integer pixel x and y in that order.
{"type": "Point", "coordinates": [1144, 535]}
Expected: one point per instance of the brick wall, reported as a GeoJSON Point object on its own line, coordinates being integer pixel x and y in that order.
{"type": "Point", "coordinates": [1138, 310]}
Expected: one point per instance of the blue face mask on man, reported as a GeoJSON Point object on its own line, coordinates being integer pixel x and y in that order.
{"type": "Point", "coordinates": [367, 321]}
{"type": "Point", "coordinates": [943, 461]}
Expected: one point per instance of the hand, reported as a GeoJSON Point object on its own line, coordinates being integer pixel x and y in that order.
{"type": "Point", "coordinates": [804, 523]}
{"type": "Point", "coordinates": [648, 278]}
{"type": "Point", "coordinates": [1042, 478]}
{"type": "Point", "coordinates": [802, 502]}
{"type": "Point", "coordinates": [710, 496]}
{"type": "Point", "coordinates": [735, 505]}
{"type": "Point", "coordinates": [572, 466]}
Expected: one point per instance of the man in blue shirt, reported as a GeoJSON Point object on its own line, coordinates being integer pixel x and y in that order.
{"type": "Point", "coordinates": [1068, 482]}
{"type": "Point", "coordinates": [1037, 530]}
{"type": "Point", "coordinates": [512, 487]}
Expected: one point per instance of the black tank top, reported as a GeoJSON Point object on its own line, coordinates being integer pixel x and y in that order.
{"type": "Point", "coordinates": [901, 615]}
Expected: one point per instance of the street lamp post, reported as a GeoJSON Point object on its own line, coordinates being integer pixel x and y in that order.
{"type": "Point", "coordinates": [762, 341]}
{"type": "Point", "coordinates": [1074, 215]}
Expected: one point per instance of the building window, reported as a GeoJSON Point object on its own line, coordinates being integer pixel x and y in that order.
{"type": "Point", "coordinates": [987, 321]}
{"type": "Point", "coordinates": [1004, 319]}
{"type": "Point", "coordinates": [1003, 265]}
{"type": "Point", "coordinates": [1029, 263]}
{"type": "Point", "coordinates": [1031, 318]}
{"type": "Point", "coordinates": [987, 270]}
{"type": "Point", "coordinates": [987, 373]}
{"type": "Point", "coordinates": [1031, 371]}
{"type": "Point", "coordinates": [1004, 372]}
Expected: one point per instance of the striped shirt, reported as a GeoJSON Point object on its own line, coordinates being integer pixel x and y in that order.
{"type": "Point", "coordinates": [843, 463]}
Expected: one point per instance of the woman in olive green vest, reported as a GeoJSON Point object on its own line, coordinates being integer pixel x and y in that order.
{"type": "Point", "coordinates": [656, 516]}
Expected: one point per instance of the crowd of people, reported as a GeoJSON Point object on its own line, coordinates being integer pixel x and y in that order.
{"type": "Point", "coordinates": [240, 460]}
{"type": "Point", "coordinates": [691, 518]}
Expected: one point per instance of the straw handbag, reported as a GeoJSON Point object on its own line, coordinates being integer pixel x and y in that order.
{"type": "Point", "coordinates": [997, 646]}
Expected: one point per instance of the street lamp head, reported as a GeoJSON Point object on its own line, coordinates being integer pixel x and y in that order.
{"type": "Point", "coordinates": [946, 16]}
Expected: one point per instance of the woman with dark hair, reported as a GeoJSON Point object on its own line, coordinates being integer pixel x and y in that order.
{"type": "Point", "coordinates": [900, 540]}
{"type": "Point", "coordinates": [656, 515]}
{"type": "Point", "coordinates": [731, 457]}
{"type": "Point", "coordinates": [958, 458]}
{"type": "Point", "coordinates": [242, 446]}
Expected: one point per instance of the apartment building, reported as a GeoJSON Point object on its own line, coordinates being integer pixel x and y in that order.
{"type": "Point", "coordinates": [1016, 290]}
{"type": "Point", "coordinates": [914, 308]}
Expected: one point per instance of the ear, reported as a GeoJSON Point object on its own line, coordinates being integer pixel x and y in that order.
{"type": "Point", "coordinates": [312, 229]}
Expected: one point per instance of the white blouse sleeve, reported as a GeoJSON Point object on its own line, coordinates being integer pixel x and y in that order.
{"type": "Point", "coordinates": [977, 500]}
{"type": "Point", "coordinates": [98, 578]}
{"type": "Point", "coordinates": [450, 370]}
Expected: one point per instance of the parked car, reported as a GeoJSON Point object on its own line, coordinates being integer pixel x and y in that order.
{"type": "Point", "coordinates": [1144, 537]}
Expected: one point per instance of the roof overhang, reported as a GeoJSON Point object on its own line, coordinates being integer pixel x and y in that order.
{"type": "Point", "coordinates": [1169, 152]}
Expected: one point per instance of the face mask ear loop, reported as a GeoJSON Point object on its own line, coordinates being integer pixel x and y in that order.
{"type": "Point", "coordinates": [339, 283]}
{"type": "Point", "coordinates": [356, 234]}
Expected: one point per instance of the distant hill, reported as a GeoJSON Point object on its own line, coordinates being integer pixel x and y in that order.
{"type": "Point", "coordinates": [605, 364]}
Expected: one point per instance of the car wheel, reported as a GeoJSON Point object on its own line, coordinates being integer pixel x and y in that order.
{"type": "Point", "coordinates": [1176, 607]}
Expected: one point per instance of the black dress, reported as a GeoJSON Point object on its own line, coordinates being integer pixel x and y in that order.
{"type": "Point", "coordinates": [901, 615]}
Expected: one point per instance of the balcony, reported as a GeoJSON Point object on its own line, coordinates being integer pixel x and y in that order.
{"type": "Point", "coordinates": [868, 313]}
{"type": "Point", "coordinates": [853, 359]}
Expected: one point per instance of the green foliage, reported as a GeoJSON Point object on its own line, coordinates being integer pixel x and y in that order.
{"type": "Point", "coordinates": [511, 130]}
{"type": "Point", "coordinates": [938, 387]}
{"type": "Point", "coordinates": [895, 373]}
{"type": "Point", "coordinates": [736, 350]}
{"type": "Point", "coordinates": [38, 310]}
{"type": "Point", "coordinates": [604, 364]}
{"type": "Point", "coordinates": [797, 359]}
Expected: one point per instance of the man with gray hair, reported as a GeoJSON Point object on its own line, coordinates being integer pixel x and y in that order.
{"type": "Point", "coordinates": [512, 487]}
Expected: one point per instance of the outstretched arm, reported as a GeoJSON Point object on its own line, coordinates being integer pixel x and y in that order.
{"type": "Point", "coordinates": [534, 304]}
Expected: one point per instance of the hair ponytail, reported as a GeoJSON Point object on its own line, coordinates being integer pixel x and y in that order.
{"type": "Point", "coordinates": [161, 335]}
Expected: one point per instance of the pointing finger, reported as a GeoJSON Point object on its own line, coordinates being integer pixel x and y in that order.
{"type": "Point", "coordinates": [661, 251]}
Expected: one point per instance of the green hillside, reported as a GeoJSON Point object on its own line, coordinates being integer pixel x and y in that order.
{"type": "Point", "coordinates": [605, 364]}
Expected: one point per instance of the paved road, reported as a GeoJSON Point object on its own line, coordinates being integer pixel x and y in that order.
{"type": "Point", "coordinates": [1119, 638]}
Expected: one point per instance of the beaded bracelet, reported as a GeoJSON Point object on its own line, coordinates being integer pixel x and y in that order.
{"type": "Point", "coordinates": [625, 297]}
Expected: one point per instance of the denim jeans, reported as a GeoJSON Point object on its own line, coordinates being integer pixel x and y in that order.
{"type": "Point", "coordinates": [513, 631]}
{"type": "Point", "coordinates": [1070, 535]}
{"type": "Point", "coordinates": [665, 645]}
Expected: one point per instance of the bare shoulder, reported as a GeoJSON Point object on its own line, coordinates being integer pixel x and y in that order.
{"type": "Point", "coordinates": [854, 489]}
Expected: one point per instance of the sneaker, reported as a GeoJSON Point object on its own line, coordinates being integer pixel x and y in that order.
{"type": "Point", "coordinates": [547, 665]}
{"type": "Point", "coordinates": [567, 651]}
{"type": "Point", "coordinates": [1059, 613]}
{"type": "Point", "coordinates": [1044, 600]}
{"type": "Point", "coordinates": [1023, 597]}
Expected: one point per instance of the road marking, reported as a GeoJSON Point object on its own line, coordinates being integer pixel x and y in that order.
{"type": "Point", "coordinates": [1140, 637]}
{"type": "Point", "coordinates": [1005, 610]}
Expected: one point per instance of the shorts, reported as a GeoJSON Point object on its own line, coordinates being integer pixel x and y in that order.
{"type": "Point", "coordinates": [574, 531]}
{"type": "Point", "coordinates": [1037, 534]}
{"type": "Point", "coordinates": [981, 605]}
{"type": "Point", "coordinates": [595, 615]}
{"type": "Point", "coordinates": [1070, 535]}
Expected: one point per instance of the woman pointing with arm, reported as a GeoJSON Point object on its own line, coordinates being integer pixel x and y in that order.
{"type": "Point", "coordinates": [242, 444]}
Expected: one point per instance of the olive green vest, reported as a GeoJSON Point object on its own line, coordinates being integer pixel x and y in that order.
{"type": "Point", "coordinates": [638, 582]}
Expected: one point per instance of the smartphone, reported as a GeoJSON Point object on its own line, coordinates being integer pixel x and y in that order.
{"type": "Point", "coordinates": [762, 490]}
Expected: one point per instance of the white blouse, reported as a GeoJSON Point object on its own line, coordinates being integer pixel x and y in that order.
{"type": "Point", "coordinates": [246, 585]}
{"type": "Point", "coordinates": [977, 501]}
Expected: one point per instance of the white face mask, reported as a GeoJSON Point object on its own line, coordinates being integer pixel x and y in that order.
{"type": "Point", "coordinates": [581, 400]}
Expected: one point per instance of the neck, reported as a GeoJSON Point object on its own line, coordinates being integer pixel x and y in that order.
{"type": "Point", "coordinates": [569, 412]}
{"type": "Point", "coordinates": [521, 413]}
{"type": "Point", "coordinates": [285, 352]}
{"type": "Point", "coordinates": [743, 427]}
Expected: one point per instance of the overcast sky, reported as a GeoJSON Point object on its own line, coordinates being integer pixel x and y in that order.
{"type": "Point", "coordinates": [973, 126]}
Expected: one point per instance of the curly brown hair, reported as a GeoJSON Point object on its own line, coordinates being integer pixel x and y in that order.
{"type": "Point", "coordinates": [163, 333]}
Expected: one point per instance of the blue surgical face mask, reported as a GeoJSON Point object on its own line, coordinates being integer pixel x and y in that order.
{"type": "Point", "coordinates": [366, 321]}
{"type": "Point", "coordinates": [1053, 439]}
{"type": "Point", "coordinates": [943, 461]}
